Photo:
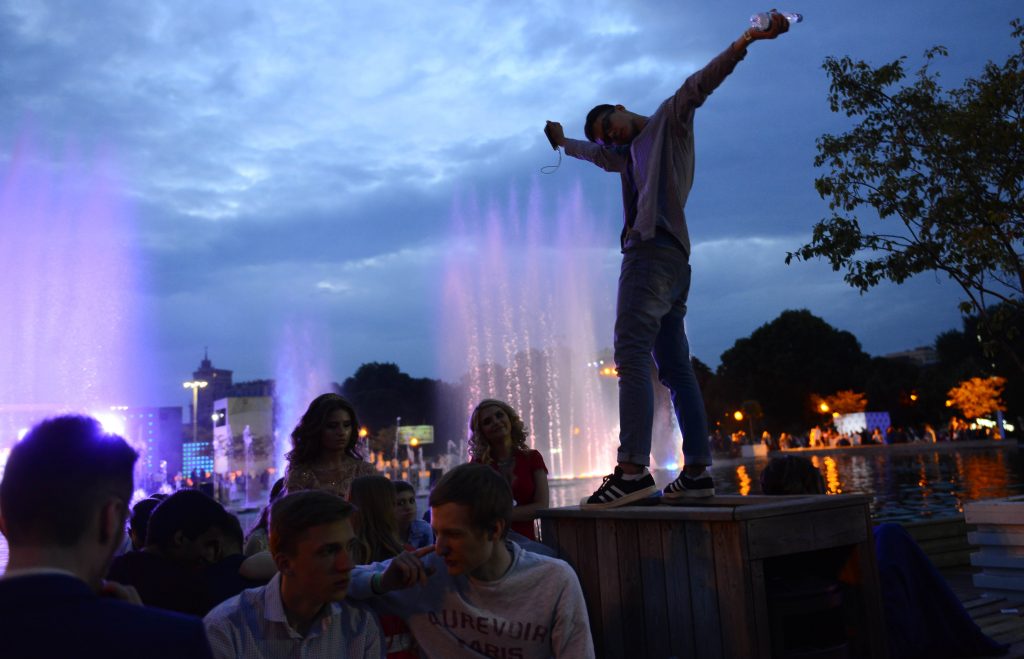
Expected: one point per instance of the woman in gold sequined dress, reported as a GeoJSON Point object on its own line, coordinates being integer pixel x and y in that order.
{"type": "Point", "coordinates": [324, 455]}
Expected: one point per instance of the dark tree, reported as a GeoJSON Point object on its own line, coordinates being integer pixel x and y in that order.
{"type": "Point", "coordinates": [929, 180]}
{"type": "Point", "coordinates": [786, 362]}
{"type": "Point", "coordinates": [890, 386]}
{"type": "Point", "coordinates": [381, 393]}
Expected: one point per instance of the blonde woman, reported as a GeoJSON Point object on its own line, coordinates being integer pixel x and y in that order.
{"type": "Point", "coordinates": [498, 438]}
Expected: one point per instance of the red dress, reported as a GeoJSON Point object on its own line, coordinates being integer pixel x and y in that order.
{"type": "Point", "coordinates": [524, 489]}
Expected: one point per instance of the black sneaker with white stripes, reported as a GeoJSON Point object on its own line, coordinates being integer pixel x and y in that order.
{"type": "Point", "coordinates": [617, 491]}
{"type": "Point", "coordinates": [687, 487]}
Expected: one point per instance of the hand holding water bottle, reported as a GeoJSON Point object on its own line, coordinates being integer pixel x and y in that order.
{"type": "Point", "coordinates": [770, 24]}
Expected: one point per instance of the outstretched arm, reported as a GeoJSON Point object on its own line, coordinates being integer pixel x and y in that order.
{"type": "Point", "coordinates": [698, 87]}
{"type": "Point", "coordinates": [608, 158]}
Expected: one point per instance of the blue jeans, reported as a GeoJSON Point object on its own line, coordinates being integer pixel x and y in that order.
{"type": "Point", "coordinates": [653, 286]}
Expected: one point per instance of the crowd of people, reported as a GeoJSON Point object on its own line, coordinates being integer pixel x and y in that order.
{"type": "Point", "coordinates": [828, 436]}
{"type": "Point", "coordinates": [338, 563]}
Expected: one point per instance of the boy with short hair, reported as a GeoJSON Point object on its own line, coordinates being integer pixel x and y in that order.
{"type": "Point", "coordinates": [474, 593]}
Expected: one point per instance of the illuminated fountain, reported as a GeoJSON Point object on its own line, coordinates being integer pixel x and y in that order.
{"type": "Point", "coordinates": [300, 376]}
{"type": "Point", "coordinates": [528, 306]}
{"type": "Point", "coordinates": [70, 336]}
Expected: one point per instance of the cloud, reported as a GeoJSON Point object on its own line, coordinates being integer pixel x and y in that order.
{"type": "Point", "coordinates": [307, 159]}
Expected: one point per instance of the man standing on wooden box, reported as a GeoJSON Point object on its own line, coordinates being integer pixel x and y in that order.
{"type": "Point", "coordinates": [654, 158]}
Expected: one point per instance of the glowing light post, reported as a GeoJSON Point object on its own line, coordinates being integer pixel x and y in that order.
{"type": "Point", "coordinates": [738, 415]}
{"type": "Point", "coordinates": [195, 386]}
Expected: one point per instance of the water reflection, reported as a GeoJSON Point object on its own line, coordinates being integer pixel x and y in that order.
{"type": "Point", "coordinates": [904, 485]}
{"type": "Point", "coordinates": [744, 480]}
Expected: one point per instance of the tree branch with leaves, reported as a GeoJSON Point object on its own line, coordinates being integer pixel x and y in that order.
{"type": "Point", "coordinates": [942, 170]}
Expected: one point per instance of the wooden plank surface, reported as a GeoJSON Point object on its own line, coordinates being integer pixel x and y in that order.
{"type": "Point", "coordinates": [653, 565]}
{"type": "Point", "coordinates": [631, 589]}
{"type": "Point", "coordinates": [718, 508]}
{"type": "Point", "coordinates": [759, 597]}
{"type": "Point", "coordinates": [612, 642]}
{"type": "Point", "coordinates": [589, 571]}
{"type": "Point", "coordinates": [999, 557]}
{"type": "Point", "coordinates": [707, 621]}
{"type": "Point", "coordinates": [675, 549]}
{"type": "Point", "coordinates": [996, 511]}
{"type": "Point", "coordinates": [735, 605]}
{"type": "Point", "coordinates": [779, 536]}
{"type": "Point", "coordinates": [1008, 535]}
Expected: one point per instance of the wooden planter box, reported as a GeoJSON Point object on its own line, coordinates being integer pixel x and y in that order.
{"type": "Point", "coordinates": [694, 581]}
{"type": "Point", "coordinates": [1000, 539]}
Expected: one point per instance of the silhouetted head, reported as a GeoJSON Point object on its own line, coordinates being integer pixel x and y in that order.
{"type": "Point", "coordinates": [187, 528]}
{"type": "Point", "coordinates": [67, 485]}
{"type": "Point", "coordinates": [139, 523]}
{"type": "Point", "coordinates": [792, 474]}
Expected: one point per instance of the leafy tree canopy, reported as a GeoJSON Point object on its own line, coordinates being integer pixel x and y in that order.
{"type": "Point", "coordinates": [943, 173]}
{"type": "Point", "coordinates": [785, 362]}
{"type": "Point", "coordinates": [846, 401]}
{"type": "Point", "coordinates": [978, 397]}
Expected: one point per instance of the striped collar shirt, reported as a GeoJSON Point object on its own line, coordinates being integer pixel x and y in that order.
{"type": "Point", "coordinates": [253, 625]}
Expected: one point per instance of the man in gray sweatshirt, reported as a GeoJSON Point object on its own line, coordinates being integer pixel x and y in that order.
{"type": "Point", "coordinates": [474, 593]}
{"type": "Point", "coordinates": [654, 158]}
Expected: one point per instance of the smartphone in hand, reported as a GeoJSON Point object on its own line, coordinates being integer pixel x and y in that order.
{"type": "Point", "coordinates": [549, 132]}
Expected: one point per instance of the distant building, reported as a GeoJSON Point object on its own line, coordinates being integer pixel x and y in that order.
{"type": "Point", "coordinates": [255, 388]}
{"type": "Point", "coordinates": [251, 388]}
{"type": "Point", "coordinates": [243, 444]}
{"type": "Point", "coordinates": [218, 382]}
{"type": "Point", "coordinates": [920, 356]}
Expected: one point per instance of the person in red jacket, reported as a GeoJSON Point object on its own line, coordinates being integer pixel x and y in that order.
{"type": "Point", "coordinates": [498, 438]}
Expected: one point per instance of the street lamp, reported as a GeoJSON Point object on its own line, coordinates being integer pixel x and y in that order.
{"type": "Point", "coordinates": [195, 386]}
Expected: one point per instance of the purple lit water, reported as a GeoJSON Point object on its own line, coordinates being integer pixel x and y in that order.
{"type": "Point", "coordinates": [72, 330]}
{"type": "Point", "coordinates": [72, 311]}
{"type": "Point", "coordinates": [300, 376]}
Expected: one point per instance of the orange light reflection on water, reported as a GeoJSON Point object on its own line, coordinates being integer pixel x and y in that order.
{"type": "Point", "coordinates": [832, 484]}
{"type": "Point", "coordinates": [744, 480]}
{"type": "Point", "coordinates": [984, 477]}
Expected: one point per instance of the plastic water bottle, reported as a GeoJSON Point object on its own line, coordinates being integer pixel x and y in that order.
{"type": "Point", "coordinates": [763, 20]}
